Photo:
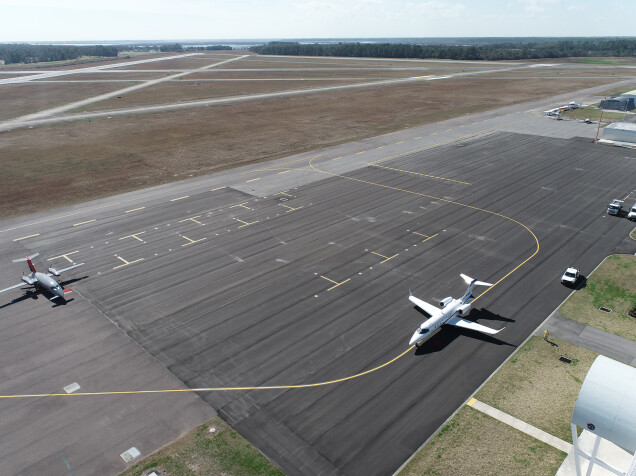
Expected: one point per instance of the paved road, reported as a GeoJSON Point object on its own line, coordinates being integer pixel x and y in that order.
{"type": "Point", "coordinates": [297, 271]}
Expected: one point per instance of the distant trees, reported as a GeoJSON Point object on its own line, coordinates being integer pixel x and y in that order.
{"type": "Point", "coordinates": [20, 53]}
{"type": "Point", "coordinates": [505, 50]}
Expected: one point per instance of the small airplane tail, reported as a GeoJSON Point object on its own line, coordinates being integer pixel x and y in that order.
{"type": "Point", "coordinates": [468, 280]}
{"type": "Point", "coordinates": [28, 260]}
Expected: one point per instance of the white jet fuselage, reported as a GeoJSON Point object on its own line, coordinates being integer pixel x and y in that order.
{"type": "Point", "coordinates": [451, 312]}
{"type": "Point", "coordinates": [431, 326]}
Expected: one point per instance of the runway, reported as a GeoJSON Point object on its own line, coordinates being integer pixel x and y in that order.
{"type": "Point", "coordinates": [297, 272]}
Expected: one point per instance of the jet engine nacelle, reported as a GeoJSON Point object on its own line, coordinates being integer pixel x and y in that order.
{"type": "Point", "coordinates": [463, 309]}
{"type": "Point", "coordinates": [54, 272]}
{"type": "Point", "coordinates": [445, 302]}
{"type": "Point", "coordinates": [29, 280]}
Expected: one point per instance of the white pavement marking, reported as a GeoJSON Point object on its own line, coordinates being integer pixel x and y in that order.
{"type": "Point", "coordinates": [521, 425]}
{"type": "Point", "coordinates": [44, 116]}
{"type": "Point", "coordinates": [34, 75]}
{"type": "Point", "coordinates": [84, 102]}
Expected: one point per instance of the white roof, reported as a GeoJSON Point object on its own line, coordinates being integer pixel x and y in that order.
{"type": "Point", "coordinates": [625, 126]}
{"type": "Point", "coordinates": [607, 402]}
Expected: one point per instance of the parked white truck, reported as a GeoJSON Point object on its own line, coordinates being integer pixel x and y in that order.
{"type": "Point", "coordinates": [615, 207]}
{"type": "Point", "coordinates": [632, 213]}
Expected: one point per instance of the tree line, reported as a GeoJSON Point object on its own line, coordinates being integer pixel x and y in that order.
{"type": "Point", "coordinates": [23, 53]}
{"type": "Point", "coordinates": [510, 50]}
{"type": "Point", "coordinates": [18, 53]}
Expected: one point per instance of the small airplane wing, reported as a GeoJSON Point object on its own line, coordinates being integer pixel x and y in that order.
{"type": "Point", "coordinates": [459, 322]}
{"type": "Point", "coordinates": [13, 287]}
{"type": "Point", "coordinates": [60, 271]}
{"type": "Point", "coordinates": [424, 306]}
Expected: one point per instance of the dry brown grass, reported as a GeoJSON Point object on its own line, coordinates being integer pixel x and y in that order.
{"type": "Point", "coordinates": [26, 98]}
{"type": "Point", "coordinates": [109, 156]}
{"type": "Point", "coordinates": [180, 90]}
{"type": "Point", "coordinates": [538, 388]}
{"type": "Point", "coordinates": [314, 74]}
{"type": "Point", "coordinates": [475, 444]}
{"type": "Point", "coordinates": [612, 285]}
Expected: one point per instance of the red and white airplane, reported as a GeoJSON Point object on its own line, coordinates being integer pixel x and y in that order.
{"type": "Point", "coordinates": [451, 313]}
{"type": "Point", "coordinates": [43, 280]}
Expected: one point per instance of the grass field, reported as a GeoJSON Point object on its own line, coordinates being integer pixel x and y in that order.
{"type": "Point", "coordinates": [109, 156]}
{"type": "Point", "coordinates": [533, 386]}
{"type": "Point", "coordinates": [612, 285]}
{"type": "Point", "coordinates": [593, 113]}
{"type": "Point", "coordinates": [538, 388]}
{"type": "Point", "coordinates": [201, 453]}
{"type": "Point", "coordinates": [475, 444]}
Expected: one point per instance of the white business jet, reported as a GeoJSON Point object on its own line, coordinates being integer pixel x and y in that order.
{"type": "Point", "coordinates": [451, 312]}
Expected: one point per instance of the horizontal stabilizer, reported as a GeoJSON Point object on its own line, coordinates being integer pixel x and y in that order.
{"type": "Point", "coordinates": [468, 280]}
{"type": "Point", "coordinates": [26, 257]}
{"type": "Point", "coordinates": [459, 322]}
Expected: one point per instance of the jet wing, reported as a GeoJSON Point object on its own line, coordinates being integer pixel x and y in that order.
{"type": "Point", "coordinates": [60, 271]}
{"type": "Point", "coordinates": [426, 307]}
{"type": "Point", "coordinates": [13, 287]}
{"type": "Point", "coordinates": [459, 322]}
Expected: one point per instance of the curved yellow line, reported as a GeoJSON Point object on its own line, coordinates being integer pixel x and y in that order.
{"type": "Point", "coordinates": [317, 384]}
{"type": "Point", "coordinates": [215, 389]}
{"type": "Point", "coordinates": [447, 201]}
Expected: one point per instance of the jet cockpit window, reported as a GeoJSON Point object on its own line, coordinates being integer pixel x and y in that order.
{"type": "Point", "coordinates": [422, 331]}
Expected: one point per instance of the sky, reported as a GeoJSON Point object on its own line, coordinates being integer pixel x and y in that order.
{"type": "Point", "coordinates": [87, 20]}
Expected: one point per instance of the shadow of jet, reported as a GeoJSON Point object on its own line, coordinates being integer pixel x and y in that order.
{"type": "Point", "coordinates": [485, 315]}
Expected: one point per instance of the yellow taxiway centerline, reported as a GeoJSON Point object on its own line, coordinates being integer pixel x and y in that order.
{"type": "Point", "coordinates": [85, 222]}
{"type": "Point", "coordinates": [25, 237]}
{"type": "Point", "coordinates": [135, 209]}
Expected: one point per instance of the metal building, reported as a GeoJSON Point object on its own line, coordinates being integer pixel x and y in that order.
{"type": "Point", "coordinates": [618, 103]}
{"type": "Point", "coordinates": [606, 407]}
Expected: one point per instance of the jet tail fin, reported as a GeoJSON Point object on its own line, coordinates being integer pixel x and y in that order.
{"type": "Point", "coordinates": [28, 260]}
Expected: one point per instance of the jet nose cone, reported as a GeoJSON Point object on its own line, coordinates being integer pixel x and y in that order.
{"type": "Point", "coordinates": [415, 338]}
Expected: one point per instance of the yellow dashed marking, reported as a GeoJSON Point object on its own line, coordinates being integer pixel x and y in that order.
{"type": "Point", "coordinates": [253, 180]}
{"type": "Point", "coordinates": [179, 198]}
{"type": "Point", "coordinates": [28, 236]}
{"type": "Point", "coordinates": [361, 152]}
{"type": "Point", "coordinates": [241, 205]}
{"type": "Point", "coordinates": [126, 263]}
{"type": "Point", "coordinates": [190, 241]}
{"type": "Point", "coordinates": [291, 209]}
{"type": "Point", "coordinates": [401, 142]}
{"type": "Point", "coordinates": [284, 172]}
{"type": "Point", "coordinates": [335, 282]}
{"type": "Point", "coordinates": [65, 256]}
{"type": "Point", "coordinates": [135, 209]}
{"type": "Point", "coordinates": [85, 222]}
{"type": "Point", "coordinates": [192, 219]}
{"type": "Point", "coordinates": [427, 237]}
{"type": "Point", "coordinates": [284, 192]}
{"type": "Point", "coordinates": [337, 158]}
{"type": "Point", "coordinates": [134, 235]}
{"type": "Point", "coordinates": [217, 188]}
{"type": "Point", "coordinates": [245, 223]}
{"type": "Point", "coordinates": [387, 258]}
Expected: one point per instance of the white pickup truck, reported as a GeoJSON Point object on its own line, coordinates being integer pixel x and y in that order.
{"type": "Point", "coordinates": [632, 213]}
{"type": "Point", "coordinates": [615, 207]}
